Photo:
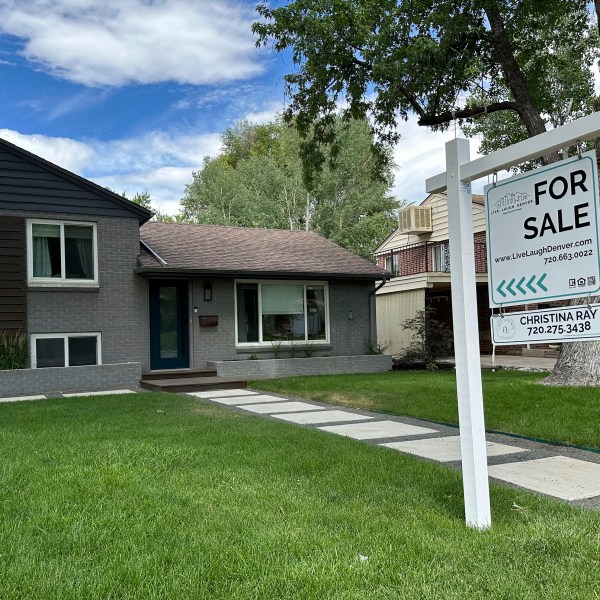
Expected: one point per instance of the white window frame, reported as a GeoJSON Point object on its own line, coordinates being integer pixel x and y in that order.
{"type": "Point", "coordinates": [62, 280]}
{"type": "Point", "coordinates": [269, 344]}
{"type": "Point", "coordinates": [65, 337]}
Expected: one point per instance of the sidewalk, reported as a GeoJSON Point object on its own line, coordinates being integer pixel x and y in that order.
{"type": "Point", "coordinates": [567, 473]}
{"type": "Point", "coordinates": [503, 361]}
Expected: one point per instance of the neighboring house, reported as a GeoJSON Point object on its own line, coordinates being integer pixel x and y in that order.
{"type": "Point", "coordinates": [417, 253]}
{"type": "Point", "coordinates": [102, 303]}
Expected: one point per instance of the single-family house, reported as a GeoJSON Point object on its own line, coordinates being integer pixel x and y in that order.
{"type": "Point", "coordinates": [417, 254]}
{"type": "Point", "coordinates": [105, 294]}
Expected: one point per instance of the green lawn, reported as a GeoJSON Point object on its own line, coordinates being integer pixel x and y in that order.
{"type": "Point", "coordinates": [161, 496]}
{"type": "Point", "coordinates": [514, 401]}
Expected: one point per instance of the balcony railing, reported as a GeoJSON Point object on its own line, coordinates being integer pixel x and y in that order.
{"type": "Point", "coordinates": [426, 257]}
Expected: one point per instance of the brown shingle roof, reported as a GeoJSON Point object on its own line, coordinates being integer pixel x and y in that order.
{"type": "Point", "coordinates": [247, 251]}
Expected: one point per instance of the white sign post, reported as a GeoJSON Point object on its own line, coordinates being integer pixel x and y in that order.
{"type": "Point", "coordinates": [459, 173]}
{"type": "Point", "coordinates": [542, 234]}
{"type": "Point", "coordinates": [466, 340]}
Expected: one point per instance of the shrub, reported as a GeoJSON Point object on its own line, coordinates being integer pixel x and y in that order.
{"type": "Point", "coordinates": [13, 350]}
{"type": "Point", "coordinates": [431, 339]}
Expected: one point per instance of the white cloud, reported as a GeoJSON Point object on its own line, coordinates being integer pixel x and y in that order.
{"type": "Point", "coordinates": [116, 42]}
{"type": "Point", "coordinates": [421, 154]}
{"type": "Point", "coordinates": [267, 114]}
{"type": "Point", "coordinates": [165, 185]}
{"type": "Point", "coordinates": [67, 153]}
{"type": "Point", "coordinates": [158, 163]}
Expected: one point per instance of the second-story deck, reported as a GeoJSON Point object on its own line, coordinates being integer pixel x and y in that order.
{"type": "Point", "coordinates": [426, 257]}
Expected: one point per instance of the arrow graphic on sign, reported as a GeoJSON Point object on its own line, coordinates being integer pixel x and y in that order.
{"type": "Point", "coordinates": [504, 287]}
{"type": "Point", "coordinates": [509, 287]}
{"type": "Point", "coordinates": [500, 290]}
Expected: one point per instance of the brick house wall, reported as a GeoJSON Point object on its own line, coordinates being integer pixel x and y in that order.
{"type": "Point", "coordinates": [117, 308]}
{"type": "Point", "coordinates": [348, 336]}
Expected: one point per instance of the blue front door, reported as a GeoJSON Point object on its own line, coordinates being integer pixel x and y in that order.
{"type": "Point", "coordinates": [169, 330]}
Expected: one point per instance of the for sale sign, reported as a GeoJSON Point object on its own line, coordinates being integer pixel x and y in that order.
{"type": "Point", "coordinates": [542, 234]}
{"type": "Point", "coordinates": [565, 324]}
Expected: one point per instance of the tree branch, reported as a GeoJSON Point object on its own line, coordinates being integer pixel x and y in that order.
{"type": "Point", "coordinates": [466, 113]}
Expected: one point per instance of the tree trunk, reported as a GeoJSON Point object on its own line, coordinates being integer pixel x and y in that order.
{"type": "Point", "coordinates": [513, 75]}
{"type": "Point", "coordinates": [579, 362]}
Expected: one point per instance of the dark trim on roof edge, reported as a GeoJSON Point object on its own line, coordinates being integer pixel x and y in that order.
{"type": "Point", "coordinates": [143, 214]}
{"type": "Point", "coordinates": [222, 273]}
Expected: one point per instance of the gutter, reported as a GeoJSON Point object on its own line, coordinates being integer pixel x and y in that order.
{"type": "Point", "coordinates": [253, 274]}
{"type": "Point", "coordinates": [371, 296]}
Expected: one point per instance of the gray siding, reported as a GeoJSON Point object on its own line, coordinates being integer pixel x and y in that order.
{"type": "Point", "coordinates": [33, 185]}
{"type": "Point", "coordinates": [118, 308]}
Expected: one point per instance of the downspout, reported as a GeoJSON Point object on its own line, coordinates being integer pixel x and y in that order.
{"type": "Point", "coordinates": [371, 296]}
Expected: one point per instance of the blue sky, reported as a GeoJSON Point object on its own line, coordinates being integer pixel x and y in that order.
{"type": "Point", "coordinates": [134, 93]}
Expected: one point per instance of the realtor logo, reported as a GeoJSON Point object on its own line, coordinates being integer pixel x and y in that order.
{"type": "Point", "coordinates": [505, 328]}
{"type": "Point", "coordinates": [511, 202]}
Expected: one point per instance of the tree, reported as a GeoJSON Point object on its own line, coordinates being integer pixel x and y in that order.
{"type": "Point", "coordinates": [258, 181]}
{"type": "Point", "coordinates": [386, 59]}
{"type": "Point", "coordinates": [143, 199]}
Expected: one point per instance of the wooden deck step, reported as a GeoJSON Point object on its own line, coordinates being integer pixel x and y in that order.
{"type": "Point", "coordinates": [193, 384]}
{"type": "Point", "coordinates": [178, 374]}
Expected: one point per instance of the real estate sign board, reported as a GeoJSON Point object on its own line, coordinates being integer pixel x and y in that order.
{"type": "Point", "coordinates": [564, 324]}
{"type": "Point", "coordinates": [542, 234]}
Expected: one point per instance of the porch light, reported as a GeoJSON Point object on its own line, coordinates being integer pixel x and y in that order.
{"type": "Point", "coordinates": [207, 291]}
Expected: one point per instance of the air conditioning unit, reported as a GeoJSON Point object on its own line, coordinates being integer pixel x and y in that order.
{"type": "Point", "coordinates": [415, 219]}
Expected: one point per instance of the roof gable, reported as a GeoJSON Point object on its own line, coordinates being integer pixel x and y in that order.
{"type": "Point", "coordinates": [29, 182]}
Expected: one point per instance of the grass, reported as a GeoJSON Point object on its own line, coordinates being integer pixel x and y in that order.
{"type": "Point", "coordinates": [514, 402]}
{"type": "Point", "coordinates": [161, 496]}
{"type": "Point", "coordinates": [13, 349]}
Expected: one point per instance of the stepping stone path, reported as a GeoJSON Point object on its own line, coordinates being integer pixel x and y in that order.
{"type": "Point", "coordinates": [571, 474]}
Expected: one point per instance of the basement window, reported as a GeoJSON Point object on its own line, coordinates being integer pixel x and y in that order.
{"type": "Point", "coordinates": [65, 350]}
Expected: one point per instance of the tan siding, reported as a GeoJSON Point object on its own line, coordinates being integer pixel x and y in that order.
{"type": "Point", "coordinates": [439, 219]}
{"type": "Point", "coordinates": [392, 311]}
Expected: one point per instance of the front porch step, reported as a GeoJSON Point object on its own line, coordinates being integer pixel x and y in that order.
{"type": "Point", "coordinates": [178, 374]}
{"type": "Point", "coordinates": [193, 384]}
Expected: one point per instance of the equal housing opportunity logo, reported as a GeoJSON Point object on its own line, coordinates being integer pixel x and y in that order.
{"type": "Point", "coordinates": [511, 202]}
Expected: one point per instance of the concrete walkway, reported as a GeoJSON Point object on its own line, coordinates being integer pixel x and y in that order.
{"type": "Point", "coordinates": [519, 363]}
{"type": "Point", "coordinates": [570, 474]}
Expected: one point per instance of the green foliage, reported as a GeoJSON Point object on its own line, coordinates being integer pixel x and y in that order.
{"type": "Point", "coordinates": [259, 181]}
{"type": "Point", "coordinates": [309, 350]}
{"type": "Point", "coordinates": [387, 59]}
{"type": "Point", "coordinates": [13, 350]}
{"type": "Point", "coordinates": [374, 349]}
{"type": "Point", "coordinates": [144, 199]}
{"type": "Point", "coordinates": [277, 349]}
{"type": "Point", "coordinates": [559, 64]}
{"type": "Point", "coordinates": [141, 198]}
{"type": "Point", "coordinates": [431, 338]}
